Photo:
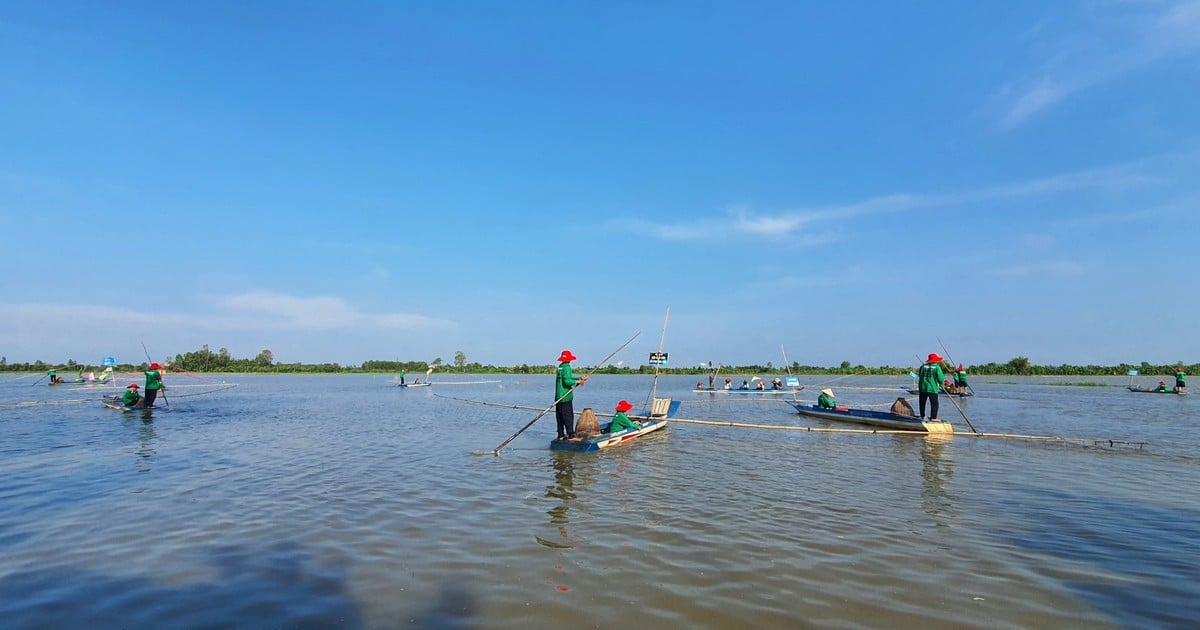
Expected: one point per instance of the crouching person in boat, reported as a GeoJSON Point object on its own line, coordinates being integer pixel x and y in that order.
{"type": "Point", "coordinates": [131, 397]}
{"type": "Point", "coordinates": [1162, 387]}
{"type": "Point", "coordinates": [825, 400]}
{"type": "Point", "coordinates": [620, 421]}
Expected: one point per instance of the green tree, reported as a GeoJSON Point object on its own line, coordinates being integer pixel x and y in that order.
{"type": "Point", "coordinates": [265, 358]}
{"type": "Point", "coordinates": [1020, 365]}
{"type": "Point", "coordinates": [460, 359]}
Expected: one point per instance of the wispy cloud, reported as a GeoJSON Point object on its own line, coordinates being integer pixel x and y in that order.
{"type": "Point", "coordinates": [322, 313]}
{"type": "Point", "coordinates": [1100, 44]}
{"type": "Point", "coordinates": [820, 225]}
{"type": "Point", "coordinates": [1062, 268]}
{"type": "Point", "coordinates": [257, 311]}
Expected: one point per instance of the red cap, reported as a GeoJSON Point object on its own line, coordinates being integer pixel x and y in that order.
{"type": "Point", "coordinates": [154, 366]}
{"type": "Point", "coordinates": [1162, 382]}
{"type": "Point", "coordinates": [728, 380]}
{"type": "Point", "coordinates": [624, 406]}
{"type": "Point", "coordinates": [132, 386]}
{"type": "Point", "coordinates": [960, 366]}
{"type": "Point", "coordinates": [566, 357]}
{"type": "Point", "coordinates": [933, 358]}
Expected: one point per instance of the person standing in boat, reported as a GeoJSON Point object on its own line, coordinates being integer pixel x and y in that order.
{"type": "Point", "coordinates": [825, 400]}
{"type": "Point", "coordinates": [153, 383]}
{"type": "Point", "coordinates": [620, 421]}
{"type": "Point", "coordinates": [564, 395]}
{"type": "Point", "coordinates": [402, 373]}
{"type": "Point", "coordinates": [1180, 380]}
{"type": "Point", "coordinates": [53, 374]}
{"type": "Point", "coordinates": [712, 376]}
{"type": "Point", "coordinates": [929, 382]}
{"type": "Point", "coordinates": [960, 380]}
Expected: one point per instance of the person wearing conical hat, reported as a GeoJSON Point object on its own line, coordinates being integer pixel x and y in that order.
{"type": "Point", "coordinates": [620, 421]}
{"type": "Point", "coordinates": [825, 400]}
{"type": "Point", "coordinates": [564, 395]}
{"type": "Point", "coordinates": [929, 382]}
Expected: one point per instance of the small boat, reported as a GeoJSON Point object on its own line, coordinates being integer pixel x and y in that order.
{"type": "Point", "coordinates": [875, 418]}
{"type": "Point", "coordinates": [115, 403]}
{"type": "Point", "coordinates": [1140, 390]}
{"type": "Point", "coordinates": [604, 439]}
{"type": "Point", "coordinates": [414, 385]}
{"type": "Point", "coordinates": [767, 392]}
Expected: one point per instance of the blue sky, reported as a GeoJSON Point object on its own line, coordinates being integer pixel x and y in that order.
{"type": "Point", "coordinates": [404, 180]}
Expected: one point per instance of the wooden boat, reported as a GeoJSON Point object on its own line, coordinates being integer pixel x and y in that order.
{"type": "Point", "coordinates": [1140, 390]}
{"type": "Point", "coordinates": [604, 439]}
{"type": "Point", "coordinates": [414, 385]}
{"type": "Point", "coordinates": [115, 403]}
{"type": "Point", "coordinates": [875, 418]}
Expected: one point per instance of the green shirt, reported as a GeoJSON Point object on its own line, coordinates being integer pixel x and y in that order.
{"type": "Point", "coordinates": [564, 381]}
{"type": "Point", "coordinates": [130, 397]}
{"type": "Point", "coordinates": [153, 379]}
{"type": "Point", "coordinates": [960, 377]}
{"type": "Point", "coordinates": [825, 401]}
{"type": "Point", "coordinates": [1181, 377]}
{"type": "Point", "coordinates": [931, 378]}
{"type": "Point", "coordinates": [620, 422]}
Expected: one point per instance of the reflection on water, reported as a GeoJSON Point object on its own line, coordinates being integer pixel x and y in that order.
{"type": "Point", "coordinates": [145, 447]}
{"type": "Point", "coordinates": [563, 489]}
{"type": "Point", "coordinates": [937, 471]}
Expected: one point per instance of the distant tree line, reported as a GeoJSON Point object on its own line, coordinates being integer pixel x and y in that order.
{"type": "Point", "coordinates": [205, 360]}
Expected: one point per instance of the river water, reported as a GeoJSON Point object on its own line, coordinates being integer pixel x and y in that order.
{"type": "Point", "coordinates": [317, 501]}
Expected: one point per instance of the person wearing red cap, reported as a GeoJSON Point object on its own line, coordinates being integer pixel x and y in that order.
{"type": "Point", "coordinates": [1162, 387]}
{"type": "Point", "coordinates": [153, 383]}
{"type": "Point", "coordinates": [1180, 380]}
{"type": "Point", "coordinates": [960, 380]}
{"type": "Point", "coordinates": [131, 397]}
{"type": "Point", "coordinates": [930, 382]}
{"type": "Point", "coordinates": [620, 421]}
{"type": "Point", "coordinates": [564, 395]}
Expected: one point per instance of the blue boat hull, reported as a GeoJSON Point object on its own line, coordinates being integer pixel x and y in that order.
{"type": "Point", "coordinates": [874, 418]}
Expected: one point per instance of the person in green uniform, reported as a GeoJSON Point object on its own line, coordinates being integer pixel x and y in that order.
{"type": "Point", "coordinates": [620, 421]}
{"type": "Point", "coordinates": [564, 395]}
{"type": "Point", "coordinates": [53, 374]}
{"type": "Point", "coordinates": [1162, 387]}
{"type": "Point", "coordinates": [929, 382]}
{"type": "Point", "coordinates": [153, 383]}
{"type": "Point", "coordinates": [960, 380]}
{"type": "Point", "coordinates": [825, 400]}
{"type": "Point", "coordinates": [131, 398]}
{"type": "Point", "coordinates": [402, 373]}
{"type": "Point", "coordinates": [1180, 380]}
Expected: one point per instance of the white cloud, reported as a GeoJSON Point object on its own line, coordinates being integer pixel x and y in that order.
{"type": "Point", "coordinates": [1055, 268]}
{"type": "Point", "coordinates": [1105, 43]}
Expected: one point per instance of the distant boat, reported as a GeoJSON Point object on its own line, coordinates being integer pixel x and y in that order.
{"type": "Point", "coordinates": [414, 385]}
{"type": "Point", "coordinates": [1140, 390]}
{"type": "Point", "coordinates": [768, 392]}
{"type": "Point", "coordinates": [875, 418]}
